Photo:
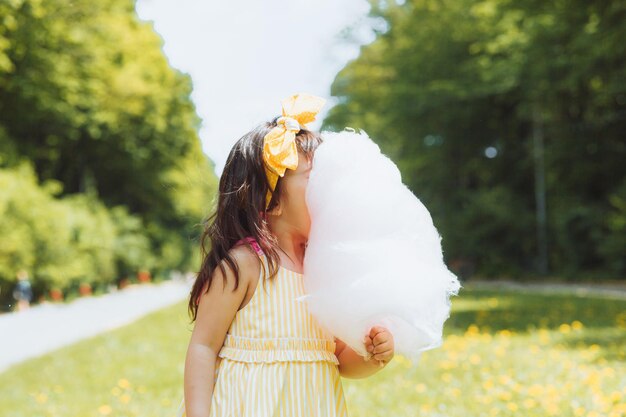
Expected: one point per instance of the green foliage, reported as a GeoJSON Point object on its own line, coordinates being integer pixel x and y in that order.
{"type": "Point", "coordinates": [455, 92]}
{"type": "Point", "coordinates": [92, 99]}
{"type": "Point", "coordinates": [611, 247]}
{"type": "Point", "coordinates": [131, 247]}
{"type": "Point", "coordinates": [60, 241]}
{"type": "Point", "coordinates": [87, 95]}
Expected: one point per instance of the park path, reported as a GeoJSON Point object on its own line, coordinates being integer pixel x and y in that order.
{"type": "Point", "coordinates": [614, 290]}
{"type": "Point", "coordinates": [42, 328]}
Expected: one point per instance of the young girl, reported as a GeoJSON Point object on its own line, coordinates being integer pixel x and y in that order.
{"type": "Point", "coordinates": [254, 349]}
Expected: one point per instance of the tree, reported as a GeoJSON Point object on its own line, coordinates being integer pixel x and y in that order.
{"type": "Point", "coordinates": [452, 92]}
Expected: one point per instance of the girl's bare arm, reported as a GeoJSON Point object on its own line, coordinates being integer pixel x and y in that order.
{"type": "Point", "coordinates": [198, 385]}
{"type": "Point", "coordinates": [216, 311]}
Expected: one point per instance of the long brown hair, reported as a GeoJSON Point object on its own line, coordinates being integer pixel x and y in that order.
{"type": "Point", "coordinates": [240, 210]}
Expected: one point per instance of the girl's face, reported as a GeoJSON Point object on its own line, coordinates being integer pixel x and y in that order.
{"type": "Point", "coordinates": [293, 206]}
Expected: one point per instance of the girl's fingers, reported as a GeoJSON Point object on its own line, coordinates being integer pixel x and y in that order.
{"type": "Point", "coordinates": [375, 330]}
{"type": "Point", "coordinates": [383, 347]}
{"type": "Point", "coordinates": [381, 337]}
{"type": "Point", "coordinates": [383, 352]}
{"type": "Point", "coordinates": [383, 356]}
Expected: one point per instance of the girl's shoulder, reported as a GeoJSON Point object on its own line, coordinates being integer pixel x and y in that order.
{"type": "Point", "coordinates": [247, 260]}
{"type": "Point", "coordinates": [248, 264]}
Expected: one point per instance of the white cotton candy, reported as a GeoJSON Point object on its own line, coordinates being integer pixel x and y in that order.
{"type": "Point", "coordinates": [374, 256]}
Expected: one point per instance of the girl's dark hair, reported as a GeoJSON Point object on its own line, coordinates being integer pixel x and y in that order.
{"type": "Point", "coordinates": [240, 210]}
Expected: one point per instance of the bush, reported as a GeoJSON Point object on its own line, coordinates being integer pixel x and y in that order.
{"type": "Point", "coordinates": [63, 242]}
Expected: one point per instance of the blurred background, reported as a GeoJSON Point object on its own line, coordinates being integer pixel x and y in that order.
{"type": "Point", "coordinates": [507, 120]}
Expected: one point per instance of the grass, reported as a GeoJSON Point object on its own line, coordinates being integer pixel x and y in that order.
{"type": "Point", "coordinates": [504, 354]}
{"type": "Point", "coordinates": [135, 370]}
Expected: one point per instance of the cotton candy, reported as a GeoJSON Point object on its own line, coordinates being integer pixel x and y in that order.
{"type": "Point", "coordinates": [373, 256]}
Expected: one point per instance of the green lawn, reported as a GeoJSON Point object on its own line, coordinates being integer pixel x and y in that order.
{"type": "Point", "coordinates": [504, 354]}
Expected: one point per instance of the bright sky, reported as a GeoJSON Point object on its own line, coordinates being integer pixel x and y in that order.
{"type": "Point", "coordinates": [246, 56]}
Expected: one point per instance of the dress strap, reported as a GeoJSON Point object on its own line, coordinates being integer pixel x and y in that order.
{"type": "Point", "coordinates": [252, 242]}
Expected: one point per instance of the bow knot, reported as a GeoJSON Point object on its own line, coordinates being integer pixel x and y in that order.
{"type": "Point", "coordinates": [289, 123]}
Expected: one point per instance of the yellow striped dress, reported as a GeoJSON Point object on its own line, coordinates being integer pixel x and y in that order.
{"type": "Point", "coordinates": [276, 360]}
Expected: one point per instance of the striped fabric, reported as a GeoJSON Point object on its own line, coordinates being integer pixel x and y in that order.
{"type": "Point", "coordinates": [276, 360]}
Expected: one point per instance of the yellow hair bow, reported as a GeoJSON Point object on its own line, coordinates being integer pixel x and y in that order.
{"type": "Point", "coordinates": [279, 145]}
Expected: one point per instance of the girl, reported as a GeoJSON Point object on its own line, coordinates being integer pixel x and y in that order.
{"type": "Point", "coordinates": [254, 349]}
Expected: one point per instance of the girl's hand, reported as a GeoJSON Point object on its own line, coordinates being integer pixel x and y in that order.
{"type": "Point", "coordinates": [379, 342]}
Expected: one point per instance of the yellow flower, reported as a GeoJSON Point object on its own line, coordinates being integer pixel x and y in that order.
{"type": "Point", "coordinates": [615, 396]}
{"type": "Point", "coordinates": [472, 330]}
{"type": "Point", "coordinates": [552, 409]}
{"type": "Point", "coordinates": [592, 379]}
{"type": "Point", "coordinates": [504, 379]}
{"type": "Point", "coordinates": [486, 399]}
{"type": "Point", "coordinates": [535, 390]}
{"type": "Point", "coordinates": [505, 396]}
{"type": "Point", "coordinates": [105, 409]}
{"type": "Point", "coordinates": [500, 351]}
{"type": "Point", "coordinates": [485, 337]}
{"type": "Point", "coordinates": [505, 333]}
{"type": "Point", "coordinates": [493, 302]}
{"type": "Point", "coordinates": [529, 403]}
{"type": "Point", "coordinates": [123, 383]}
